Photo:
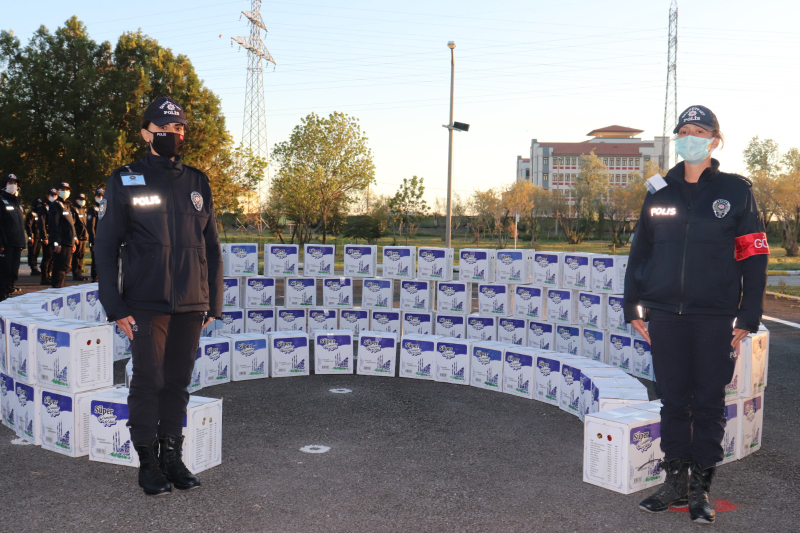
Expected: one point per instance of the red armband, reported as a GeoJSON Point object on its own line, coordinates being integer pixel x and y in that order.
{"type": "Point", "coordinates": [751, 244]}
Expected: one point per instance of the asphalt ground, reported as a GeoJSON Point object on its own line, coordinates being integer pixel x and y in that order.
{"type": "Point", "coordinates": [405, 455]}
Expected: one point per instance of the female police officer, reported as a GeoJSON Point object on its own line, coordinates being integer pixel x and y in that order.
{"type": "Point", "coordinates": [698, 261]}
{"type": "Point", "coordinates": [158, 217]}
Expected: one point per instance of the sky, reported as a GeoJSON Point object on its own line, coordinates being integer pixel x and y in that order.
{"type": "Point", "coordinates": [546, 69]}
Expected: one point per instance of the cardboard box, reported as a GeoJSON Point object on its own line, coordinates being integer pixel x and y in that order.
{"type": "Point", "coordinates": [259, 321]}
{"type": "Point", "coordinates": [512, 330]}
{"type": "Point", "coordinates": [577, 270]}
{"type": "Point", "coordinates": [568, 339]}
{"type": "Point", "coordinates": [281, 260]}
{"type": "Point", "coordinates": [593, 344]}
{"type": "Point", "coordinates": [361, 260]}
{"type": "Point", "coordinates": [21, 346]}
{"type": "Point", "coordinates": [622, 450]}
{"type": "Point", "coordinates": [591, 309]}
{"type": "Point", "coordinates": [486, 364]}
{"type": "Point", "coordinates": [377, 293]}
{"type": "Point", "coordinates": [232, 292]}
{"type": "Point", "coordinates": [518, 377]}
{"type": "Point", "coordinates": [603, 389]}
{"type": "Point", "coordinates": [322, 319]}
{"type": "Point", "coordinates": [65, 420]}
{"type": "Point", "coordinates": [477, 264]}
{"type": "Point", "coordinates": [495, 299]}
{"type": "Point", "coordinates": [514, 266]}
{"type": "Point", "coordinates": [435, 263]}
{"type": "Point", "coordinates": [547, 268]}
{"type": "Point", "coordinates": [541, 335]}
{"type": "Point", "coordinates": [129, 372]}
{"type": "Point", "coordinates": [615, 316]}
{"type": "Point", "coordinates": [416, 295]}
{"type": "Point", "coordinates": [481, 328]}
{"type": "Point", "coordinates": [730, 440]}
{"type": "Point", "coordinates": [642, 359]}
{"type": "Point", "coordinates": [454, 297]}
{"type": "Point", "coordinates": [528, 302]}
{"type": "Point", "coordinates": [207, 332]}
{"type": "Point", "coordinates": [249, 356]}
{"type": "Point", "coordinates": [92, 310]}
{"type": "Point", "coordinates": [418, 322]}
{"type": "Point", "coordinates": [448, 325]}
{"type": "Point", "coordinates": [608, 273]}
{"type": "Point", "coordinates": [620, 351]}
{"type": "Point", "coordinates": [8, 402]}
{"type": "Point", "coordinates": [291, 320]}
{"type": "Point", "coordinates": [754, 350]}
{"type": "Point", "coordinates": [74, 357]}
{"type": "Point", "coordinates": [562, 306]}
{"type": "Point", "coordinates": [385, 321]}
{"type": "Point", "coordinates": [197, 373]}
{"type": "Point", "coordinates": [300, 292]}
{"type": "Point", "coordinates": [337, 293]}
{"type": "Point", "coordinates": [318, 259]}
{"type": "Point", "coordinates": [333, 352]}
{"type": "Point", "coordinates": [377, 353]}
{"type": "Point", "coordinates": [216, 361]}
{"type": "Point", "coordinates": [418, 356]}
{"type": "Point", "coordinates": [27, 423]}
{"type": "Point", "coordinates": [399, 262]}
{"type": "Point", "coordinates": [73, 306]}
{"type": "Point", "coordinates": [109, 436]}
{"type": "Point", "coordinates": [239, 259]}
{"type": "Point", "coordinates": [259, 292]}
{"type": "Point", "coordinates": [202, 431]}
{"type": "Point", "coordinates": [547, 378]}
{"type": "Point", "coordinates": [653, 406]}
{"type": "Point", "coordinates": [752, 410]}
{"type": "Point", "coordinates": [289, 354]}
{"type": "Point", "coordinates": [452, 360]}
{"type": "Point", "coordinates": [231, 323]}
{"type": "Point", "coordinates": [355, 320]}
{"type": "Point", "coordinates": [570, 386]}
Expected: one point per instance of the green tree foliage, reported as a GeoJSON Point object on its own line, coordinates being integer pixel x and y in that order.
{"type": "Point", "coordinates": [409, 205]}
{"type": "Point", "coordinates": [322, 167]}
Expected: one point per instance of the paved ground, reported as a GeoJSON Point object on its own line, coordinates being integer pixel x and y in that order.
{"type": "Point", "coordinates": [789, 280]}
{"type": "Point", "coordinates": [405, 455]}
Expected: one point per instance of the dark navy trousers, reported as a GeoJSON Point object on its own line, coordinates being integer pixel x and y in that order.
{"type": "Point", "coordinates": [693, 363]}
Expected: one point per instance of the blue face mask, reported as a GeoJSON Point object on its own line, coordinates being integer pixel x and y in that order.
{"type": "Point", "coordinates": [693, 150]}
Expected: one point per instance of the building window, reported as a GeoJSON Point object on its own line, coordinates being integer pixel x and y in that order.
{"type": "Point", "coordinates": [618, 162]}
{"type": "Point", "coordinates": [624, 161]}
{"type": "Point", "coordinates": [624, 179]}
{"type": "Point", "coordinates": [605, 161]}
{"type": "Point", "coordinates": [574, 161]}
{"type": "Point", "coordinates": [635, 162]}
{"type": "Point", "coordinates": [527, 173]}
{"type": "Point", "coordinates": [544, 177]}
{"type": "Point", "coordinates": [544, 160]}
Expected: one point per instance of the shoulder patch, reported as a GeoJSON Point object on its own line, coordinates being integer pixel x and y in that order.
{"type": "Point", "coordinates": [102, 209]}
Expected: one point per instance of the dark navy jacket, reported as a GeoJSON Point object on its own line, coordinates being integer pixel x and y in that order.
{"type": "Point", "coordinates": [701, 251]}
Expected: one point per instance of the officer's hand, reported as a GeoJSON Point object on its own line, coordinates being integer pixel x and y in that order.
{"type": "Point", "coordinates": [2, 250]}
{"type": "Point", "coordinates": [738, 335]}
{"type": "Point", "coordinates": [126, 325]}
{"type": "Point", "coordinates": [74, 248]}
{"type": "Point", "coordinates": [45, 241]}
{"type": "Point", "coordinates": [641, 329]}
{"type": "Point", "coordinates": [57, 249]}
{"type": "Point", "coordinates": [208, 321]}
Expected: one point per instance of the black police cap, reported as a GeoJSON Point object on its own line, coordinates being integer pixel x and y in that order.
{"type": "Point", "coordinates": [698, 115]}
{"type": "Point", "coordinates": [64, 186]}
{"type": "Point", "coordinates": [81, 196]}
{"type": "Point", "coordinates": [54, 191]}
{"type": "Point", "coordinates": [99, 191]}
{"type": "Point", "coordinates": [9, 178]}
{"type": "Point", "coordinates": [164, 110]}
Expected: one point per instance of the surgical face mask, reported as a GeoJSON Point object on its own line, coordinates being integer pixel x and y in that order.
{"type": "Point", "coordinates": [693, 150]}
{"type": "Point", "coordinates": [51, 198]}
{"type": "Point", "coordinates": [63, 194]}
{"type": "Point", "coordinates": [98, 199]}
{"type": "Point", "coordinates": [166, 143]}
{"type": "Point", "coordinates": [80, 202]}
{"type": "Point", "coordinates": [11, 188]}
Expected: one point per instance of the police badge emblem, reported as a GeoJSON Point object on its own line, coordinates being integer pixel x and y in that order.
{"type": "Point", "coordinates": [721, 208]}
{"type": "Point", "coordinates": [197, 200]}
{"type": "Point", "coordinates": [102, 210]}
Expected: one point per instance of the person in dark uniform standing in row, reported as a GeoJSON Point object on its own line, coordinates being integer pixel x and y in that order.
{"type": "Point", "coordinates": [44, 236]}
{"type": "Point", "coordinates": [82, 236]}
{"type": "Point", "coordinates": [61, 227]}
{"type": "Point", "coordinates": [12, 235]}
{"type": "Point", "coordinates": [158, 214]}
{"type": "Point", "coordinates": [92, 215]}
{"type": "Point", "coordinates": [698, 267]}
{"type": "Point", "coordinates": [32, 231]}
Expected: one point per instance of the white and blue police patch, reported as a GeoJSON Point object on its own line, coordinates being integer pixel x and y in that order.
{"type": "Point", "coordinates": [721, 208]}
{"type": "Point", "coordinates": [102, 210]}
{"type": "Point", "coordinates": [197, 200]}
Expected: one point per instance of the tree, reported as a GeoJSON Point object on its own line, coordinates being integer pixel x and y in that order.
{"type": "Point", "coordinates": [326, 162]}
{"type": "Point", "coordinates": [763, 160]}
{"type": "Point", "coordinates": [786, 201]}
{"type": "Point", "coordinates": [518, 200]}
{"type": "Point", "coordinates": [488, 211]}
{"type": "Point", "coordinates": [623, 204]}
{"type": "Point", "coordinates": [408, 203]}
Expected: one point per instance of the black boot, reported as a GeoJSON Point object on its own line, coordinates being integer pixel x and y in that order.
{"type": "Point", "coordinates": [674, 490]}
{"type": "Point", "coordinates": [35, 271]}
{"type": "Point", "coordinates": [151, 478]}
{"type": "Point", "coordinates": [172, 463]}
{"type": "Point", "coordinates": [700, 509]}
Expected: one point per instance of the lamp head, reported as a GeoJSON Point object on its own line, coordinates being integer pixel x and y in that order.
{"type": "Point", "coordinates": [451, 44]}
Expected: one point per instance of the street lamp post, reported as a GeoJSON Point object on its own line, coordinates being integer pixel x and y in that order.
{"type": "Point", "coordinates": [451, 45]}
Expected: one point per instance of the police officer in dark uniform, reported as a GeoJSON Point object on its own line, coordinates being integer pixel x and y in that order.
{"type": "Point", "coordinates": [44, 236]}
{"type": "Point", "coordinates": [12, 235]}
{"type": "Point", "coordinates": [32, 231]}
{"type": "Point", "coordinates": [698, 267]}
{"type": "Point", "coordinates": [82, 234]}
{"type": "Point", "coordinates": [92, 215]}
{"type": "Point", "coordinates": [61, 227]}
{"type": "Point", "coordinates": [158, 217]}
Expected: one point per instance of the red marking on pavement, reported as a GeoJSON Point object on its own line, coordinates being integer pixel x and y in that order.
{"type": "Point", "coordinates": [720, 506]}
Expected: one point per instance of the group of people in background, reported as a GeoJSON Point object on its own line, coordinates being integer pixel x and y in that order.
{"type": "Point", "coordinates": [54, 227]}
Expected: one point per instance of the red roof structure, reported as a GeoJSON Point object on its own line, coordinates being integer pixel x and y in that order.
{"type": "Point", "coordinates": [599, 148]}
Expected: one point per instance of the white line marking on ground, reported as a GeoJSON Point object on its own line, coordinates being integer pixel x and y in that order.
{"type": "Point", "coordinates": [314, 448]}
{"type": "Point", "coordinates": [779, 321]}
{"type": "Point", "coordinates": [340, 391]}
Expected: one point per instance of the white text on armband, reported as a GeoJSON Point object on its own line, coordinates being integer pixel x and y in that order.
{"type": "Point", "coordinates": [663, 211]}
{"type": "Point", "coordinates": [147, 200]}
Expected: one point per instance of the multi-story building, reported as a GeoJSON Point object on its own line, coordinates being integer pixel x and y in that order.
{"type": "Point", "coordinates": [555, 165]}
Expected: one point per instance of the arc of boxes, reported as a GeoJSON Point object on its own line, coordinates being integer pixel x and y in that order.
{"type": "Point", "coordinates": [548, 327]}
